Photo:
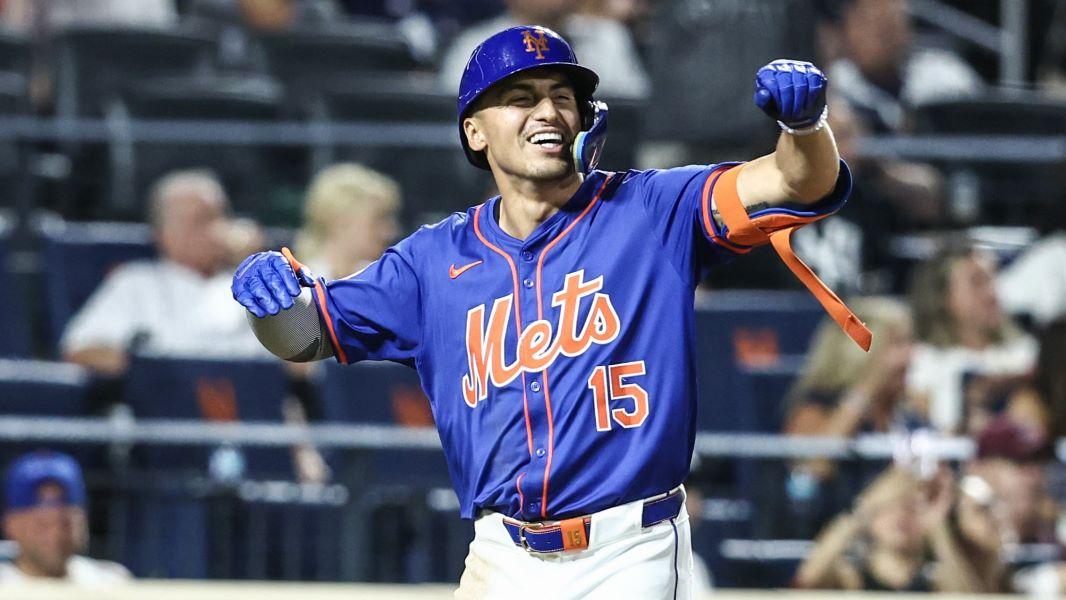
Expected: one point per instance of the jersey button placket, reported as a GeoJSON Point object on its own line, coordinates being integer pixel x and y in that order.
{"type": "Point", "coordinates": [533, 482]}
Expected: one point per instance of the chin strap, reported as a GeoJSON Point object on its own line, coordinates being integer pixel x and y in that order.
{"type": "Point", "coordinates": [588, 145]}
{"type": "Point", "coordinates": [777, 230]}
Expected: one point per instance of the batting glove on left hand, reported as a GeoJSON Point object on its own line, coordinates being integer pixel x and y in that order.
{"type": "Point", "coordinates": [266, 282]}
{"type": "Point", "coordinates": [792, 92]}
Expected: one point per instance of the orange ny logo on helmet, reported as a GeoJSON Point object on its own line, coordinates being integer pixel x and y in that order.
{"type": "Point", "coordinates": [535, 43]}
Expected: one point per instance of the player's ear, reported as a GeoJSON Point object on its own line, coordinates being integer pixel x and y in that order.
{"type": "Point", "coordinates": [475, 137]}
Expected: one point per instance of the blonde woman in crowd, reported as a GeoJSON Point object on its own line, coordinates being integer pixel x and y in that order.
{"type": "Point", "coordinates": [844, 392]}
{"type": "Point", "coordinates": [970, 356]}
{"type": "Point", "coordinates": [897, 538]}
{"type": "Point", "coordinates": [350, 217]}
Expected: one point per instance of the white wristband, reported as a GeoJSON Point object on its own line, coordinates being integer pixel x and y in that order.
{"type": "Point", "coordinates": [817, 126]}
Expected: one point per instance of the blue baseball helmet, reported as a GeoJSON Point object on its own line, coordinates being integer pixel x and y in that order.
{"type": "Point", "coordinates": [520, 49]}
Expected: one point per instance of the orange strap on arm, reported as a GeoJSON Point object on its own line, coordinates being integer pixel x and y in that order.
{"type": "Point", "coordinates": [320, 297]}
{"type": "Point", "coordinates": [743, 230]}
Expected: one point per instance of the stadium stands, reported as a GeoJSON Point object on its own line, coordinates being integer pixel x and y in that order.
{"type": "Point", "coordinates": [77, 257]}
{"type": "Point", "coordinates": [13, 311]}
{"type": "Point", "coordinates": [251, 174]}
{"type": "Point", "coordinates": [265, 126]}
{"type": "Point", "coordinates": [212, 391]}
{"type": "Point", "coordinates": [94, 66]}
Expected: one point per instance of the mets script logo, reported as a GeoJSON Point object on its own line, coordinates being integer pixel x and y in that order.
{"type": "Point", "coordinates": [535, 43]}
{"type": "Point", "coordinates": [538, 345]}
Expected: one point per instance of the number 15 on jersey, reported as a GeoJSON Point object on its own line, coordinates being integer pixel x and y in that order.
{"type": "Point", "coordinates": [608, 383]}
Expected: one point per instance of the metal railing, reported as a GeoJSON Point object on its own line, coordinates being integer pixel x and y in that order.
{"type": "Point", "coordinates": [1050, 149]}
{"type": "Point", "coordinates": [366, 436]}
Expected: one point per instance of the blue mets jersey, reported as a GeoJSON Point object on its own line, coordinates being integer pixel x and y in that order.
{"type": "Point", "coordinates": [560, 368]}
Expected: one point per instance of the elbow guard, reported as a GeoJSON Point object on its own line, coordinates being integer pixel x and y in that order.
{"type": "Point", "coordinates": [296, 334]}
{"type": "Point", "coordinates": [776, 229]}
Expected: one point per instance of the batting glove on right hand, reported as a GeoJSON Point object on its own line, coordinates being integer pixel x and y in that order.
{"type": "Point", "coordinates": [266, 282]}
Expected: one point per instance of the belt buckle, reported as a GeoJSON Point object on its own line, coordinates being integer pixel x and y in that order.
{"type": "Point", "coordinates": [522, 541]}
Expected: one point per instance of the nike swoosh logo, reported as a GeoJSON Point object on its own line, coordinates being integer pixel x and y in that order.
{"type": "Point", "coordinates": [453, 272]}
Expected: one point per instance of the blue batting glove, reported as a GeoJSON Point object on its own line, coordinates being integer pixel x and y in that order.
{"type": "Point", "coordinates": [265, 283]}
{"type": "Point", "coordinates": [792, 92]}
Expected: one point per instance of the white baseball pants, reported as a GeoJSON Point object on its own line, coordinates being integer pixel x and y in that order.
{"type": "Point", "coordinates": [623, 561]}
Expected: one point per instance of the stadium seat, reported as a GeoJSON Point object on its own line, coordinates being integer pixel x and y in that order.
{"type": "Point", "coordinates": [78, 256]}
{"type": "Point", "coordinates": [211, 391]}
{"type": "Point", "coordinates": [256, 177]}
{"type": "Point", "coordinates": [31, 388]}
{"type": "Point", "coordinates": [995, 113]}
{"type": "Point", "coordinates": [746, 329]}
{"type": "Point", "coordinates": [408, 103]}
{"type": "Point", "coordinates": [768, 386]}
{"type": "Point", "coordinates": [738, 334]}
{"type": "Point", "coordinates": [15, 60]}
{"type": "Point", "coordinates": [166, 534]}
{"type": "Point", "coordinates": [306, 60]}
{"type": "Point", "coordinates": [94, 65]}
{"type": "Point", "coordinates": [382, 393]}
{"type": "Point", "coordinates": [391, 487]}
{"type": "Point", "coordinates": [1012, 193]}
{"type": "Point", "coordinates": [40, 388]}
{"type": "Point", "coordinates": [14, 316]}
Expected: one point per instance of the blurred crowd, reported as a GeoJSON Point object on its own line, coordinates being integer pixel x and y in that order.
{"type": "Point", "coordinates": [969, 336]}
{"type": "Point", "coordinates": [948, 359]}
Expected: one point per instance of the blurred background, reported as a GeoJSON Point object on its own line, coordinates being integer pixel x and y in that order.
{"type": "Point", "coordinates": [147, 146]}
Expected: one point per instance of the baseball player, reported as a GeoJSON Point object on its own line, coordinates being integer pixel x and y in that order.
{"type": "Point", "coordinates": [552, 326]}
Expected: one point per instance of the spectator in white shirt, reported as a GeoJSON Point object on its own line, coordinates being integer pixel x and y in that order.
{"type": "Point", "coordinates": [602, 44]}
{"type": "Point", "coordinates": [971, 356]}
{"type": "Point", "coordinates": [179, 305]}
{"type": "Point", "coordinates": [45, 515]}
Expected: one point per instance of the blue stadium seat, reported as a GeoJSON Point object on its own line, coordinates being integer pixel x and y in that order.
{"type": "Point", "coordinates": [166, 536]}
{"type": "Point", "coordinates": [367, 392]}
{"type": "Point", "coordinates": [737, 332]}
{"type": "Point", "coordinates": [210, 391]}
{"type": "Point", "coordinates": [31, 388]}
{"type": "Point", "coordinates": [387, 394]}
{"type": "Point", "coordinates": [40, 388]}
{"type": "Point", "coordinates": [78, 256]}
{"type": "Point", "coordinates": [15, 341]}
{"type": "Point", "coordinates": [768, 386]}
{"type": "Point", "coordinates": [746, 328]}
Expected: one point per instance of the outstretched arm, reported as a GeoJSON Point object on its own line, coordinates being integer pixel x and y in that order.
{"type": "Point", "coordinates": [803, 168]}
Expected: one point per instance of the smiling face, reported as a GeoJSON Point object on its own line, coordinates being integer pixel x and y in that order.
{"type": "Point", "coordinates": [526, 125]}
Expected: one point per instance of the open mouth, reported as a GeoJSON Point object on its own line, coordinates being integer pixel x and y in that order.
{"type": "Point", "coordinates": [551, 141]}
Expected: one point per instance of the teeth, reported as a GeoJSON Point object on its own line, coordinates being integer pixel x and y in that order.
{"type": "Point", "coordinates": [547, 138]}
